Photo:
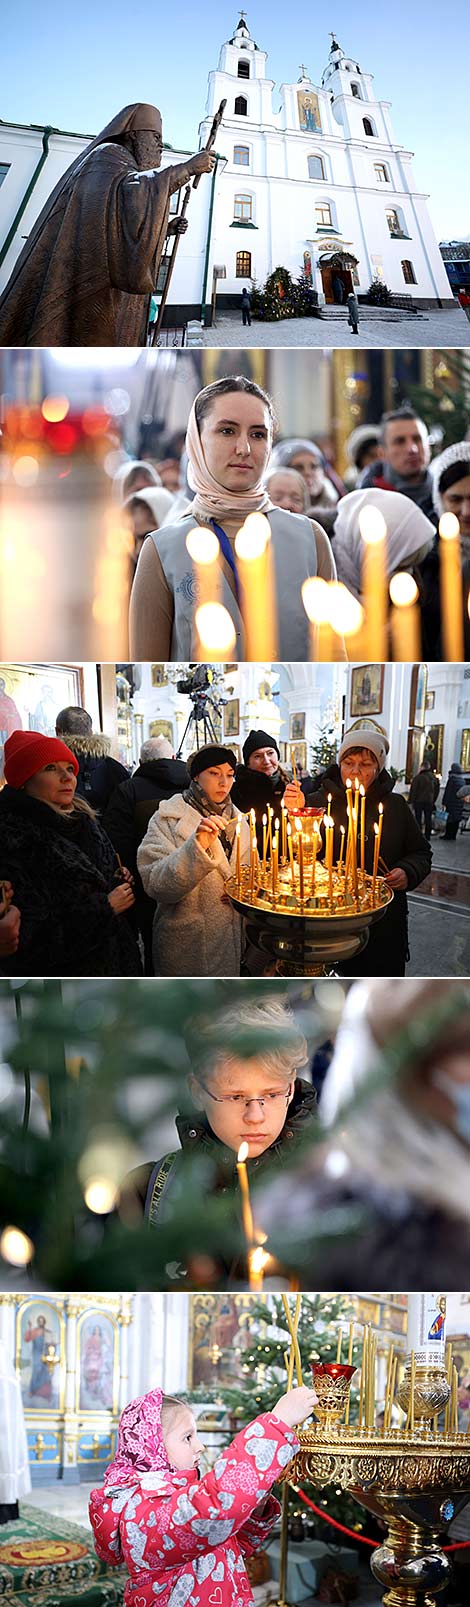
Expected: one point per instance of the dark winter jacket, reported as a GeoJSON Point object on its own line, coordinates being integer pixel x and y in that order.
{"type": "Point", "coordinates": [62, 868]}
{"type": "Point", "coordinates": [404, 845]}
{"type": "Point", "coordinates": [151, 1188]}
{"type": "Point", "coordinates": [379, 473]}
{"type": "Point", "coordinates": [98, 773]}
{"type": "Point", "coordinates": [451, 800]}
{"type": "Point", "coordinates": [136, 799]}
{"type": "Point", "coordinates": [253, 790]}
{"type": "Point", "coordinates": [424, 789]}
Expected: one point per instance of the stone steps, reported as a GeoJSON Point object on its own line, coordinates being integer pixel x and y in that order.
{"type": "Point", "coordinates": [391, 315]}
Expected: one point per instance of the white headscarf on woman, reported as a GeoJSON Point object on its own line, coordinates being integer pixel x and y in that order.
{"type": "Point", "coordinates": [120, 488]}
{"type": "Point", "coordinates": [157, 499]}
{"type": "Point", "coordinates": [409, 533]}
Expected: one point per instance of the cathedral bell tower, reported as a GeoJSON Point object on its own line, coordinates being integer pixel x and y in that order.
{"type": "Point", "coordinates": [240, 79]}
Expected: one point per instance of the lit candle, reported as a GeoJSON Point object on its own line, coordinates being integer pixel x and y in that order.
{"type": "Point", "coordinates": [265, 841]}
{"type": "Point", "coordinates": [274, 866]}
{"type": "Point", "coordinates": [247, 1216]}
{"type": "Point", "coordinates": [257, 1263]}
{"type": "Point", "coordinates": [376, 860]}
{"type": "Point", "coordinates": [300, 850]}
{"type": "Point", "coordinates": [405, 619]}
{"type": "Point", "coordinates": [204, 550]}
{"type": "Point", "coordinates": [342, 842]}
{"type": "Point", "coordinates": [317, 603]}
{"type": "Point", "coordinates": [294, 767]}
{"type": "Point", "coordinates": [291, 854]}
{"type": "Point", "coordinates": [283, 832]}
{"type": "Point", "coordinates": [381, 820]}
{"type": "Point", "coordinates": [254, 856]}
{"type": "Point", "coordinates": [315, 846]}
{"type": "Point", "coordinates": [450, 565]}
{"type": "Point", "coordinates": [329, 836]}
{"type": "Point", "coordinates": [363, 832]}
{"type": "Point", "coordinates": [374, 559]}
{"type": "Point", "coordinates": [258, 605]}
{"type": "Point", "coordinates": [270, 826]}
{"type": "Point", "coordinates": [216, 632]}
{"type": "Point", "coordinates": [239, 868]}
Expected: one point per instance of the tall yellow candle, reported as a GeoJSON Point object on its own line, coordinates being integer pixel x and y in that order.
{"type": "Point", "coordinates": [265, 841]}
{"type": "Point", "coordinates": [342, 831]}
{"type": "Point", "coordinates": [239, 869]}
{"type": "Point", "coordinates": [405, 623]}
{"type": "Point", "coordinates": [317, 603]}
{"type": "Point", "coordinates": [283, 832]}
{"type": "Point", "coordinates": [363, 831]}
{"type": "Point", "coordinates": [300, 852]}
{"type": "Point", "coordinates": [315, 846]}
{"type": "Point", "coordinates": [374, 583]}
{"type": "Point", "coordinates": [450, 568]}
{"type": "Point", "coordinates": [204, 549]}
{"type": "Point", "coordinates": [258, 605]}
{"type": "Point", "coordinates": [247, 1216]}
{"type": "Point", "coordinates": [291, 854]}
{"type": "Point", "coordinates": [338, 1347]}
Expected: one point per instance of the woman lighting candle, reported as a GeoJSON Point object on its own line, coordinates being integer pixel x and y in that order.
{"type": "Point", "coordinates": [362, 753]}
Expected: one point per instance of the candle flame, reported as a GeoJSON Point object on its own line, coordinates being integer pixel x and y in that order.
{"type": "Point", "coordinates": [362, 791]}
{"type": "Point", "coordinates": [258, 1260]}
{"type": "Point", "coordinates": [449, 526]}
{"type": "Point", "coordinates": [372, 524]}
{"type": "Point", "coordinates": [381, 809]}
{"type": "Point", "coordinates": [342, 828]}
{"type": "Point", "coordinates": [265, 820]}
{"type": "Point", "coordinates": [316, 600]}
{"type": "Point", "coordinates": [242, 1154]}
{"type": "Point", "coordinates": [215, 628]}
{"type": "Point", "coordinates": [202, 545]}
{"type": "Point", "coordinates": [376, 829]}
{"type": "Point", "coordinates": [346, 612]}
{"type": "Point", "coordinates": [251, 541]}
{"type": "Point", "coordinates": [403, 589]}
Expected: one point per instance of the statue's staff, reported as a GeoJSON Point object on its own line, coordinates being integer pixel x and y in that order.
{"type": "Point", "coordinates": [180, 216]}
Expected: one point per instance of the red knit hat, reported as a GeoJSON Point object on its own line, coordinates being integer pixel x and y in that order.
{"type": "Point", "coordinates": [26, 752]}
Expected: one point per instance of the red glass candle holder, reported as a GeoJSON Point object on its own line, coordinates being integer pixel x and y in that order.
{"type": "Point", "coordinates": [332, 1383]}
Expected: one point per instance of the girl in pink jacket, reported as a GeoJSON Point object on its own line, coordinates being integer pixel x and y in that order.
{"type": "Point", "coordinates": [184, 1538]}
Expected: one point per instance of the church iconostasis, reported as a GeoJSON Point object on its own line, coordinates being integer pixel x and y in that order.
{"type": "Point", "coordinates": [71, 1357]}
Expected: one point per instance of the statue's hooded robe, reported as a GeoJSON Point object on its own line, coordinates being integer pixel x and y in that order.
{"type": "Point", "coordinates": [90, 264]}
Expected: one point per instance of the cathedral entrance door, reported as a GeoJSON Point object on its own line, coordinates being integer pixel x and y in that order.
{"type": "Point", "coordinates": [332, 278]}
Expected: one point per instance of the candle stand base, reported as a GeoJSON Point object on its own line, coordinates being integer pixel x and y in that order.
{"type": "Point", "coordinates": [306, 942]}
{"type": "Point", "coordinates": [414, 1481]}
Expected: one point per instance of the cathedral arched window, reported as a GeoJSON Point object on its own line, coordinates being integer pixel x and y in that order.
{"type": "Point", "coordinates": [356, 91]}
{"type": "Point", "coordinates": [243, 265]}
{"type": "Point", "coordinates": [381, 173]}
{"type": "Point", "coordinates": [241, 106]}
{"type": "Point", "coordinates": [408, 273]}
{"type": "Point", "coordinates": [316, 167]}
{"type": "Point", "coordinates": [396, 223]}
{"type": "Point", "coordinates": [243, 69]}
{"type": "Point", "coordinates": [323, 215]}
{"type": "Point", "coordinates": [368, 127]}
{"type": "Point", "coordinates": [241, 155]}
{"type": "Point", "coordinates": [243, 208]}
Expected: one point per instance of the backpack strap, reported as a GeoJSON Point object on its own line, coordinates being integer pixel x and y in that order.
{"type": "Point", "coordinates": [159, 1178]}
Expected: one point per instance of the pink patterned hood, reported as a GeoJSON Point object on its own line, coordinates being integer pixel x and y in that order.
{"type": "Point", "coordinates": [140, 1441]}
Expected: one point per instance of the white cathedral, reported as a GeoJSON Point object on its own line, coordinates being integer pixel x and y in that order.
{"type": "Point", "coordinates": [320, 187]}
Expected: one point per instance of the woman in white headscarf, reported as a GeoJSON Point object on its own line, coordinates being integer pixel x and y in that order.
{"type": "Point", "coordinates": [132, 476]}
{"type": "Point", "coordinates": [228, 441]}
{"type": "Point", "coordinates": [391, 1183]}
{"type": "Point", "coordinates": [410, 544]}
{"type": "Point", "coordinates": [146, 511]}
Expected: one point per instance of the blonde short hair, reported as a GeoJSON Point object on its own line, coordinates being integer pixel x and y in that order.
{"type": "Point", "coordinates": [267, 1018]}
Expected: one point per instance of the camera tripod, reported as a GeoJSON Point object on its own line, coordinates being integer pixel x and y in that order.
{"type": "Point", "coordinates": [200, 715]}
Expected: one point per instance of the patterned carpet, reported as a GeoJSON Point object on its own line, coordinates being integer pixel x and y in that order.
{"type": "Point", "coordinates": [47, 1562]}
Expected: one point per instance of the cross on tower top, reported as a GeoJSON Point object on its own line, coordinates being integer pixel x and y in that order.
{"type": "Point", "coordinates": [303, 70]}
{"type": "Point", "coordinates": [243, 16]}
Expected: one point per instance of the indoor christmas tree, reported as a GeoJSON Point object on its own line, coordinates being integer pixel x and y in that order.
{"type": "Point", "coordinates": [323, 752]}
{"type": "Point", "coordinates": [322, 1317]}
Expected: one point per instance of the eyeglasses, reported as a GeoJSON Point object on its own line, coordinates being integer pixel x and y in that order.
{"type": "Point", "coordinates": [243, 1100]}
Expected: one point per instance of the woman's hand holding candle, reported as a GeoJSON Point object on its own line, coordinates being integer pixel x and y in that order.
{"type": "Point", "coordinates": [207, 832]}
{"type": "Point", "coordinates": [293, 797]}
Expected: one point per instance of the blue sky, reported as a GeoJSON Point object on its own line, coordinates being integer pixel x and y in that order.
{"type": "Point", "coordinates": [75, 64]}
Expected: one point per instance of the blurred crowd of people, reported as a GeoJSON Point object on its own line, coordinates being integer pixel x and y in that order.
{"type": "Point", "coordinates": [390, 467]}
